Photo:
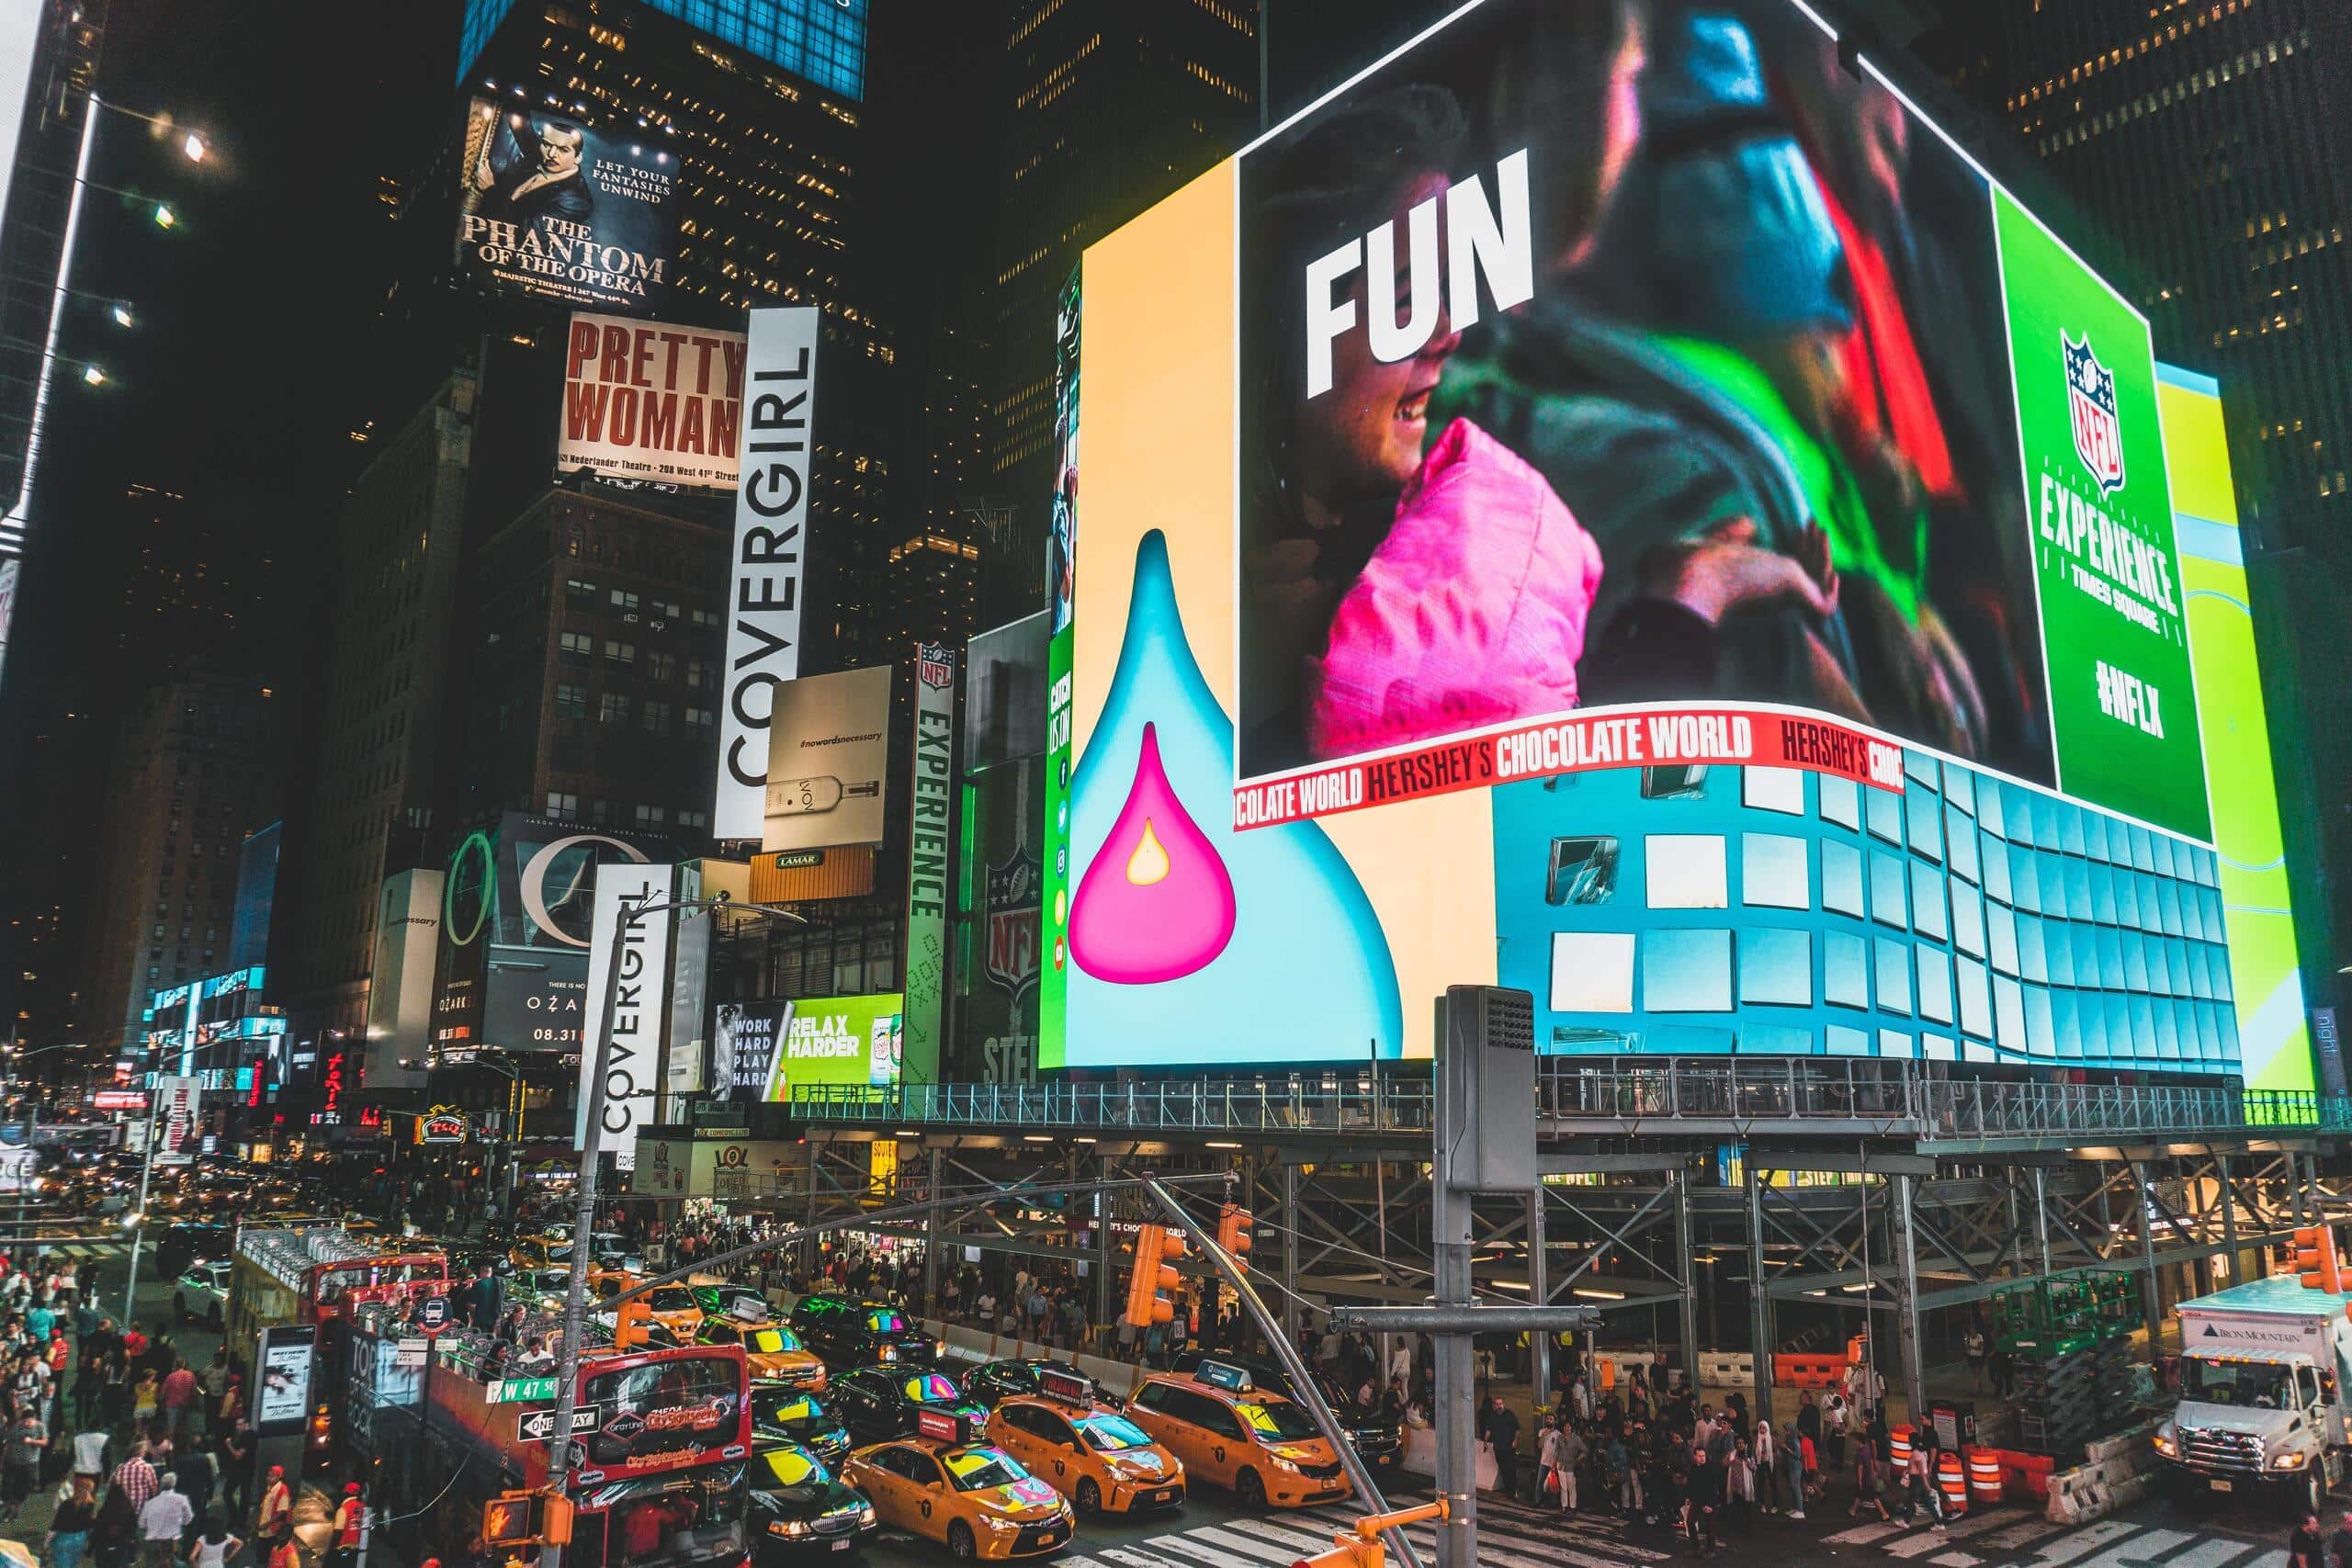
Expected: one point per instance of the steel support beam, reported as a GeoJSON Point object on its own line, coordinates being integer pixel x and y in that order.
{"type": "Point", "coordinates": [1906, 1297]}
{"type": "Point", "coordinates": [1683, 1253]}
{"type": "Point", "coordinates": [1759, 1302]}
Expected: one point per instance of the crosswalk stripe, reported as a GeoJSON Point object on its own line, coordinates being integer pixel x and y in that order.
{"type": "Point", "coordinates": [1983, 1521]}
{"type": "Point", "coordinates": [2020, 1534]}
{"type": "Point", "coordinates": [1956, 1560]}
{"type": "Point", "coordinates": [1136, 1557]}
{"type": "Point", "coordinates": [1918, 1543]}
{"type": "Point", "coordinates": [2214, 1553]}
{"type": "Point", "coordinates": [1866, 1534]}
{"type": "Point", "coordinates": [2084, 1541]}
{"type": "Point", "coordinates": [1191, 1548]}
{"type": "Point", "coordinates": [1294, 1539]}
{"type": "Point", "coordinates": [2139, 1549]}
{"type": "Point", "coordinates": [1261, 1550]}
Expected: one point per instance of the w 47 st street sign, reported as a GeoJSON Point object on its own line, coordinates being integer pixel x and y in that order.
{"type": "Point", "coordinates": [538, 1425]}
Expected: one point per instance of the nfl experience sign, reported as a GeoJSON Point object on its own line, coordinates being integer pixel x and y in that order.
{"type": "Point", "coordinates": [558, 210]}
{"type": "Point", "coordinates": [651, 402]}
{"type": "Point", "coordinates": [641, 1006]}
{"type": "Point", "coordinates": [2123, 703]}
{"type": "Point", "coordinates": [771, 557]}
{"type": "Point", "coordinates": [925, 969]}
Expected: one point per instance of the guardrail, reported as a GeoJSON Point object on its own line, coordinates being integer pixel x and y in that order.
{"type": "Point", "coordinates": [1622, 1096]}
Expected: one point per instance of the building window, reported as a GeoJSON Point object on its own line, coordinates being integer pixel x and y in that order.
{"type": "Point", "coordinates": [571, 701]}
{"type": "Point", "coordinates": [1592, 972]}
{"type": "Point", "coordinates": [660, 666]}
{"type": "Point", "coordinates": [1686, 971]}
{"type": "Point", "coordinates": [657, 717]}
{"type": "Point", "coordinates": [1583, 871]}
{"type": "Point", "coordinates": [694, 818]}
{"type": "Point", "coordinates": [620, 652]}
{"type": "Point", "coordinates": [563, 806]}
{"type": "Point", "coordinates": [700, 720]}
{"type": "Point", "coordinates": [652, 815]}
{"type": "Point", "coordinates": [694, 672]}
{"type": "Point", "coordinates": [1686, 871]}
{"type": "Point", "coordinates": [625, 602]}
{"type": "Point", "coordinates": [614, 709]}
{"type": "Point", "coordinates": [1776, 966]}
{"type": "Point", "coordinates": [578, 594]}
{"type": "Point", "coordinates": [1773, 789]}
{"type": "Point", "coordinates": [578, 643]}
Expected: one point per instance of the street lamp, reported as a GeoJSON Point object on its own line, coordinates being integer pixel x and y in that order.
{"type": "Point", "coordinates": [195, 148]}
{"type": "Point", "coordinates": [583, 1225]}
{"type": "Point", "coordinates": [94, 375]}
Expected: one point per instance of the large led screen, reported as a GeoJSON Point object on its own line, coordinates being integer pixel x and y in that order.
{"type": "Point", "coordinates": [1587, 390]}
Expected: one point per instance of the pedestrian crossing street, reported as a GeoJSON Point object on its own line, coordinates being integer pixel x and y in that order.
{"type": "Point", "coordinates": [85, 1251]}
{"type": "Point", "coordinates": [1516, 1536]}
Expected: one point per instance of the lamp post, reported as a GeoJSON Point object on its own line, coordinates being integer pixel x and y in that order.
{"type": "Point", "coordinates": [583, 1225]}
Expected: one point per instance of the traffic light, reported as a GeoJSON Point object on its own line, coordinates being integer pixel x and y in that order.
{"type": "Point", "coordinates": [1233, 1222]}
{"type": "Point", "coordinates": [1346, 1553]}
{"type": "Point", "coordinates": [2315, 1259]}
{"type": "Point", "coordinates": [1156, 1250]}
{"type": "Point", "coordinates": [526, 1518]}
{"type": "Point", "coordinates": [632, 1322]}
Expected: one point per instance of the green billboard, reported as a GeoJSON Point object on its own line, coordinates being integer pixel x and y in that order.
{"type": "Point", "coordinates": [835, 1040]}
{"type": "Point", "coordinates": [2114, 625]}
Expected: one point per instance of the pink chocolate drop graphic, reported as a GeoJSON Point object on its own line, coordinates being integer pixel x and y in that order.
{"type": "Point", "coordinates": [1156, 903]}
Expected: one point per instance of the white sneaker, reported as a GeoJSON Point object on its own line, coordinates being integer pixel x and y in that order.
{"type": "Point", "coordinates": [1796, 1513]}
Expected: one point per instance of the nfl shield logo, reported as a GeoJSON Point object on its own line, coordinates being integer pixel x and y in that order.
{"type": "Point", "coordinates": [934, 666]}
{"type": "Point", "coordinates": [2090, 394]}
{"type": "Point", "coordinates": [1012, 921]}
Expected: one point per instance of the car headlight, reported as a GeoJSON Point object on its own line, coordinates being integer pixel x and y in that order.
{"type": "Point", "coordinates": [998, 1522]}
{"type": "Point", "coordinates": [791, 1526]}
{"type": "Point", "coordinates": [1282, 1464]}
{"type": "Point", "coordinates": [864, 1515]}
{"type": "Point", "coordinates": [2165, 1444]}
{"type": "Point", "coordinates": [2286, 1462]}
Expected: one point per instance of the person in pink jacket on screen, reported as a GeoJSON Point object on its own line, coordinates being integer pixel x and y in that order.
{"type": "Point", "coordinates": [1471, 612]}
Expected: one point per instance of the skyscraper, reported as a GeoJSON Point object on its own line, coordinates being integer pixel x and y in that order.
{"type": "Point", "coordinates": [1109, 106]}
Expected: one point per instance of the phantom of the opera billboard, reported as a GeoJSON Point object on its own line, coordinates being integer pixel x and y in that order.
{"type": "Point", "coordinates": [564, 210]}
{"type": "Point", "coordinates": [1612, 502]}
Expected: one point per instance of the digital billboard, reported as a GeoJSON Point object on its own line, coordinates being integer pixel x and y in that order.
{"type": "Point", "coordinates": [651, 402]}
{"type": "Point", "coordinates": [557, 209]}
{"type": "Point", "coordinates": [829, 749]}
{"type": "Point", "coordinates": [857, 1041]}
{"type": "Point", "coordinates": [1599, 406]}
{"type": "Point", "coordinates": [2274, 1031]}
{"type": "Point", "coordinates": [517, 916]}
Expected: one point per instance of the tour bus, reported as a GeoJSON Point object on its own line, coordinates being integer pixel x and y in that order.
{"type": "Point", "coordinates": [662, 1478]}
{"type": "Point", "coordinates": [317, 1274]}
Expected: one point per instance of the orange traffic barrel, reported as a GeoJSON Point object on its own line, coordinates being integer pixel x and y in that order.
{"type": "Point", "coordinates": [1984, 1483]}
{"type": "Point", "coordinates": [1952, 1480]}
{"type": "Point", "coordinates": [1898, 1445]}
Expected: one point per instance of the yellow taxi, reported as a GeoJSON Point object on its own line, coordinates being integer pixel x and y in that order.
{"type": "Point", "coordinates": [972, 1497]}
{"type": "Point", "coordinates": [1085, 1449]}
{"type": "Point", "coordinates": [676, 1309]}
{"type": "Point", "coordinates": [1230, 1433]}
{"type": "Point", "coordinates": [775, 1353]}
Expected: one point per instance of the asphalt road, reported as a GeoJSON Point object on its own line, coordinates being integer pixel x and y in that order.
{"type": "Point", "coordinates": [1210, 1532]}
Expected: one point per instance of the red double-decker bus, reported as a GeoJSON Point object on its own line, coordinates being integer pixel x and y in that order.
{"type": "Point", "coordinates": [318, 1274]}
{"type": "Point", "coordinates": [662, 1479]}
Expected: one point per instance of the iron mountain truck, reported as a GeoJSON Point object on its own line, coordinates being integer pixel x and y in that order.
{"type": "Point", "coordinates": [2263, 1368]}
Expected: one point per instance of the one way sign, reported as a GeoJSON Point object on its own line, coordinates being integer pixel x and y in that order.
{"type": "Point", "coordinates": [538, 1425]}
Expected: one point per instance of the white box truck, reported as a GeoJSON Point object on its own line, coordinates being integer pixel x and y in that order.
{"type": "Point", "coordinates": [2263, 1369]}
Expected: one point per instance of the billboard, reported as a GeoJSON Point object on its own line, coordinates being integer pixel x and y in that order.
{"type": "Point", "coordinates": [400, 985]}
{"type": "Point", "coordinates": [517, 913]}
{"type": "Point", "coordinates": [928, 825]}
{"type": "Point", "coordinates": [623, 1101]}
{"type": "Point", "coordinates": [646, 402]}
{"type": "Point", "coordinates": [561, 210]}
{"type": "Point", "coordinates": [2275, 1039]}
{"type": "Point", "coordinates": [177, 1119]}
{"type": "Point", "coordinates": [770, 555]}
{"type": "Point", "coordinates": [828, 750]}
{"type": "Point", "coordinates": [1578, 405]}
{"type": "Point", "coordinates": [856, 1041]}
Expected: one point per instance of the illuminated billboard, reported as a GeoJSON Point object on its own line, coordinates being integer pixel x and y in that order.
{"type": "Point", "coordinates": [562, 210]}
{"type": "Point", "coordinates": [2273, 1029]}
{"type": "Point", "coordinates": [646, 402]}
{"type": "Point", "coordinates": [780, 1047]}
{"type": "Point", "coordinates": [1573, 436]}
